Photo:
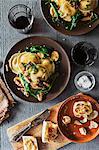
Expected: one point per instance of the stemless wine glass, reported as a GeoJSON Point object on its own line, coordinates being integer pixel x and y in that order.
{"type": "Point", "coordinates": [21, 18]}
{"type": "Point", "coordinates": [84, 53]}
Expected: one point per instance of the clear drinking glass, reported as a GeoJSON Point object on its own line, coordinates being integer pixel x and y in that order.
{"type": "Point", "coordinates": [84, 53]}
{"type": "Point", "coordinates": [21, 18]}
{"type": "Point", "coordinates": [84, 81]}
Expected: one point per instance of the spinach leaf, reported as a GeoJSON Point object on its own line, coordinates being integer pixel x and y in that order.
{"type": "Point", "coordinates": [54, 6]}
{"type": "Point", "coordinates": [24, 64]}
{"type": "Point", "coordinates": [36, 48]}
{"type": "Point", "coordinates": [70, 26]}
{"type": "Point", "coordinates": [34, 68]}
{"type": "Point", "coordinates": [35, 92]}
{"type": "Point", "coordinates": [94, 18]}
{"type": "Point", "coordinates": [39, 49]}
{"type": "Point", "coordinates": [47, 89]}
{"type": "Point", "coordinates": [27, 86]}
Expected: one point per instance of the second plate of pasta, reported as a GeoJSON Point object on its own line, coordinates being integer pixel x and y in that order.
{"type": "Point", "coordinates": [71, 17]}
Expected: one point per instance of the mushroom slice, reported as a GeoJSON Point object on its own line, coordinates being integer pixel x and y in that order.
{"type": "Point", "coordinates": [88, 5]}
{"type": "Point", "coordinates": [82, 131]}
{"type": "Point", "coordinates": [93, 125]}
{"type": "Point", "coordinates": [55, 56]}
{"type": "Point", "coordinates": [84, 120]}
{"type": "Point", "coordinates": [40, 97]}
{"type": "Point", "coordinates": [76, 122]}
{"type": "Point", "coordinates": [66, 120]}
{"type": "Point", "coordinates": [93, 115]}
{"type": "Point", "coordinates": [17, 81]}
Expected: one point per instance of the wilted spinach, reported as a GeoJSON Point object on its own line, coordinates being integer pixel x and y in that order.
{"type": "Point", "coordinates": [39, 49]}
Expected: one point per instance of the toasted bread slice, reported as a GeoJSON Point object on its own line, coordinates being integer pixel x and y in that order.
{"type": "Point", "coordinates": [30, 143]}
{"type": "Point", "coordinates": [49, 131]}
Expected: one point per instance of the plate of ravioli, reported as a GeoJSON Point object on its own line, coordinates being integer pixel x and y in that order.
{"type": "Point", "coordinates": [71, 17]}
{"type": "Point", "coordinates": [37, 69]}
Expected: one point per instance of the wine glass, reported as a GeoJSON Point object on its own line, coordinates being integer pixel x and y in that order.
{"type": "Point", "coordinates": [84, 53]}
{"type": "Point", "coordinates": [21, 18]}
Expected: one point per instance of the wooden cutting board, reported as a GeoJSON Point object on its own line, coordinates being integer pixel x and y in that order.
{"type": "Point", "coordinates": [59, 142]}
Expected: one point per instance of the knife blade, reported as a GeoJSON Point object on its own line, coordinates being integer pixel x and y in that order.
{"type": "Point", "coordinates": [38, 120]}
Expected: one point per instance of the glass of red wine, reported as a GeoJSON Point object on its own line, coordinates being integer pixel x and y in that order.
{"type": "Point", "coordinates": [21, 18]}
{"type": "Point", "coordinates": [84, 54]}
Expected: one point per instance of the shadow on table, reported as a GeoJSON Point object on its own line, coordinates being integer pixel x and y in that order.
{"type": "Point", "coordinates": [39, 26]}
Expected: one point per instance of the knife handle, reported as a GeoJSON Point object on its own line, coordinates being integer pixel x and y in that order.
{"type": "Point", "coordinates": [20, 133]}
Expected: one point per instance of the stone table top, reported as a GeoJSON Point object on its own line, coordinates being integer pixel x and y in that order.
{"type": "Point", "coordinates": [9, 36]}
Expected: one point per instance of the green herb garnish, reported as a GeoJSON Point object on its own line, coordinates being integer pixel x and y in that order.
{"type": "Point", "coordinates": [34, 68]}
{"type": "Point", "coordinates": [34, 93]}
{"type": "Point", "coordinates": [39, 49]}
{"type": "Point", "coordinates": [54, 6]}
{"type": "Point", "coordinates": [27, 86]}
{"type": "Point", "coordinates": [70, 26]}
{"type": "Point", "coordinates": [94, 18]}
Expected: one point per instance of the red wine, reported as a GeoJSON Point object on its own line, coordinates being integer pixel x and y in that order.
{"type": "Point", "coordinates": [80, 56]}
{"type": "Point", "coordinates": [84, 53]}
{"type": "Point", "coordinates": [21, 22]}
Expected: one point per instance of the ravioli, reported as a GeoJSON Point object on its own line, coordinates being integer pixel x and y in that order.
{"type": "Point", "coordinates": [49, 65]}
{"type": "Point", "coordinates": [25, 58]}
{"type": "Point", "coordinates": [66, 11]}
{"type": "Point", "coordinates": [13, 63]}
{"type": "Point", "coordinates": [42, 74]}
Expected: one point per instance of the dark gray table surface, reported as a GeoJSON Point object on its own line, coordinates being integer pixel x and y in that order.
{"type": "Point", "coordinates": [8, 37]}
